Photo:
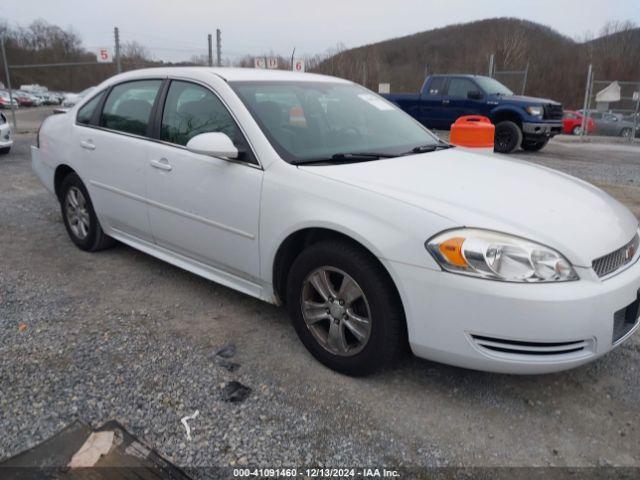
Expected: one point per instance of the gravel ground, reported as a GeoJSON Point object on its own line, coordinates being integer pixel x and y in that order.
{"type": "Point", "coordinates": [121, 335]}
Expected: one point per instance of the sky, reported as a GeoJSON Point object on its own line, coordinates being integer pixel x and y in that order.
{"type": "Point", "coordinates": [176, 30]}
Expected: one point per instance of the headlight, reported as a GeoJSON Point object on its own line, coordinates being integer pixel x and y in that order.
{"type": "Point", "coordinates": [498, 256]}
{"type": "Point", "coordinates": [536, 110]}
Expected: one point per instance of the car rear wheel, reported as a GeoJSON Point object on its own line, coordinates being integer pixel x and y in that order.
{"type": "Point", "coordinates": [345, 308]}
{"type": "Point", "coordinates": [508, 137]}
{"type": "Point", "coordinates": [79, 217]}
{"type": "Point", "coordinates": [4, 151]}
{"type": "Point", "coordinates": [529, 146]}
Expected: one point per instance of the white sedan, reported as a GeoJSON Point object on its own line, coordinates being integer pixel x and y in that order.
{"type": "Point", "coordinates": [313, 192]}
{"type": "Point", "coordinates": [6, 139]}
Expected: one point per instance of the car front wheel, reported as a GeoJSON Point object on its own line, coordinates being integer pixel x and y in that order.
{"type": "Point", "coordinates": [345, 309]}
{"type": "Point", "coordinates": [79, 217]}
{"type": "Point", "coordinates": [577, 130]}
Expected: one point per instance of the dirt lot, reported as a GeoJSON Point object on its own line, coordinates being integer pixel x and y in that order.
{"type": "Point", "coordinates": [121, 335]}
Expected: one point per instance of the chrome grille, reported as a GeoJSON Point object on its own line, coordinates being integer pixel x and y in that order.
{"type": "Point", "coordinates": [532, 349]}
{"type": "Point", "coordinates": [616, 259]}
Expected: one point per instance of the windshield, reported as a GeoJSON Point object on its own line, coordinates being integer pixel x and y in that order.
{"type": "Point", "coordinates": [492, 87]}
{"type": "Point", "coordinates": [307, 121]}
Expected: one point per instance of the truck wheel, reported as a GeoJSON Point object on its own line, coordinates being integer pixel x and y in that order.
{"type": "Point", "coordinates": [534, 146]}
{"type": "Point", "coordinates": [508, 137]}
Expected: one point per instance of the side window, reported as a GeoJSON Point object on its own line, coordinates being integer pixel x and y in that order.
{"type": "Point", "coordinates": [436, 86]}
{"type": "Point", "coordinates": [191, 110]}
{"type": "Point", "coordinates": [85, 114]}
{"type": "Point", "coordinates": [459, 87]}
{"type": "Point", "coordinates": [128, 106]}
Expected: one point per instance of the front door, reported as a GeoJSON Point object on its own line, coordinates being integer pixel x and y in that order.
{"type": "Point", "coordinates": [201, 207]}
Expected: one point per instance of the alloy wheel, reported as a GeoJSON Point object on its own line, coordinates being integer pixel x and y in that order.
{"type": "Point", "coordinates": [77, 213]}
{"type": "Point", "coordinates": [336, 311]}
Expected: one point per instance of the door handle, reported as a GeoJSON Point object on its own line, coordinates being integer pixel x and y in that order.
{"type": "Point", "coordinates": [162, 164]}
{"type": "Point", "coordinates": [87, 145]}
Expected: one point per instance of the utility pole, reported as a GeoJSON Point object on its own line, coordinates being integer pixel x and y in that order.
{"type": "Point", "coordinates": [210, 51]}
{"type": "Point", "coordinates": [6, 74]}
{"type": "Point", "coordinates": [218, 47]}
{"type": "Point", "coordinates": [491, 60]}
{"type": "Point", "coordinates": [293, 54]}
{"type": "Point", "coordinates": [587, 100]}
{"type": "Point", "coordinates": [116, 34]}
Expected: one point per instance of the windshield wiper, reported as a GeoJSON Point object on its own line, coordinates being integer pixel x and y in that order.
{"type": "Point", "coordinates": [345, 157]}
{"type": "Point", "coordinates": [428, 148]}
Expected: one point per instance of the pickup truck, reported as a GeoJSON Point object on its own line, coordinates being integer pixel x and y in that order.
{"type": "Point", "coordinates": [520, 121]}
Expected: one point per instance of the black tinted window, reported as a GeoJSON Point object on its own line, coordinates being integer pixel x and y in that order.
{"type": "Point", "coordinates": [460, 87]}
{"type": "Point", "coordinates": [191, 110]}
{"type": "Point", "coordinates": [436, 86]}
{"type": "Point", "coordinates": [128, 106]}
{"type": "Point", "coordinates": [85, 114]}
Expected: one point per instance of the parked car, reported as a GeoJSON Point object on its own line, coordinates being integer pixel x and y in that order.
{"type": "Point", "coordinates": [572, 123]}
{"type": "Point", "coordinates": [520, 121]}
{"type": "Point", "coordinates": [5, 100]}
{"type": "Point", "coordinates": [70, 99]}
{"type": "Point", "coordinates": [5, 135]}
{"type": "Point", "coordinates": [316, 193]}
{"type": "Point", "coordinates": [23, 99]}
{"type": "Point", "coordinates": [610, 124]}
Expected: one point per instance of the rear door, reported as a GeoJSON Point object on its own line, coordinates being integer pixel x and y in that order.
{"type": "Point", "coordinates": [432, 111]}
{"type": "Point", "coordinates": [201, 207]}
{"type": "Point", "coordinates": [115, 147]}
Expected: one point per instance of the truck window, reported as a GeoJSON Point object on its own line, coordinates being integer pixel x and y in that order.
{"type": "Point", "coordinates": [459, 87]}
{"type": "Point", "coordinates": [436, 86]}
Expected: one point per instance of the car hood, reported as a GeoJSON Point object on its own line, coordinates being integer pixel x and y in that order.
{"type": "Point", "coordinates": [528, 100]}
{"type": "Point", "coordinates": [493, 192]}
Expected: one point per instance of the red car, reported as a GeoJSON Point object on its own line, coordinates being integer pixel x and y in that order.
{"type": "Point", "coordinates": [572, 123]}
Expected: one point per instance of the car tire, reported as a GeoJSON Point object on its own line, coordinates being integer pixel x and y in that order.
{"type": "Point", "coordinates": [626, 133]}
{"type": "Point", "coordinates": [80, 218]}
{"type": "Point", "coordinates": [534, 146]}
{"type": "Point", "coordinates": [5, 150]}
{"type": "Point", "coordinates": [577, 130]}
{"type": "Point", "coordinates": [508, 137]}
{"type": "Point", "coordinates": [379, 342]}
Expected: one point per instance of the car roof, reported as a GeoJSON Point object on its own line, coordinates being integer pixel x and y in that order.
{"type": "Point", "coordinates": [234, 74]}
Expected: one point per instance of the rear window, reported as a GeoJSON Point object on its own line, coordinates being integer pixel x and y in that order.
{"type": "Point", "coordinates": [128, 106]}
{"type": "Point", "coordinates": [85, 114]}
{"type": "Point", "coordinates": [436, 86]}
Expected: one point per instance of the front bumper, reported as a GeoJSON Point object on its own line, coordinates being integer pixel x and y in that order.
{"type": "Point", "coordinates": [541, 129]}
{"type": "Point", "coordinates": [516, 328]}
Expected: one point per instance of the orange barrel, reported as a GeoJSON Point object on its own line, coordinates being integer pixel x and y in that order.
{"type": "Point", "coordinates": [473, 131]}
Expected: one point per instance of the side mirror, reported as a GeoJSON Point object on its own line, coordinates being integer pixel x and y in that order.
{"type": "Point", "coordinates": [214, 144]}
{"type": "Point", "coordinates": [474, 95]}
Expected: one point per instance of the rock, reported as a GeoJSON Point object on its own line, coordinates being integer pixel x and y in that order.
{"type": "Point", "coordinates": [235, 392]}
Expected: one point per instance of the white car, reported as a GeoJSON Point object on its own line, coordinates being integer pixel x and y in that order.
{"type": "Point", "coordinates": [5, 135]}
{"type": "Point", "coordinates": [314, 192]}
